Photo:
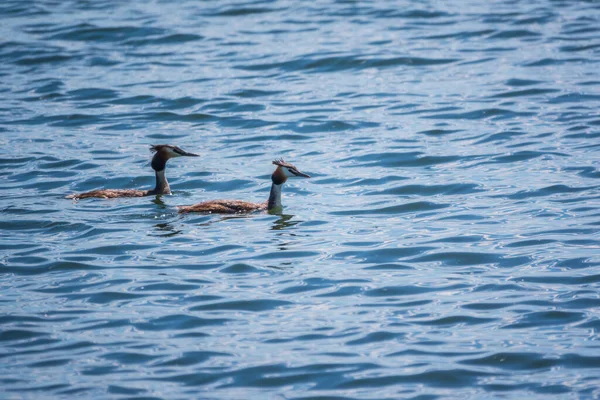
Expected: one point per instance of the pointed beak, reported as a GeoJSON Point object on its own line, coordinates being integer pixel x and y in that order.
{"type": "Point", "coordinates": [186, 154]}
{"type": "Point", "coordinates": [302, 174]}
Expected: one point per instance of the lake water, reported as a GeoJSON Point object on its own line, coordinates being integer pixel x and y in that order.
{"type": "Point", "coordinates": [447, 245]}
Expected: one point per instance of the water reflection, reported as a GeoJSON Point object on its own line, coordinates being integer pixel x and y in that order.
{"type": "Point", "coordinates": [159, 201]}
{"type": "Point", "coordinates": [166, 229]}
{"type": "Point", "coordinates": [284, 222]}
{"type": "Point", "coordinates": [454, 204]}
{"type": "Point", "coordinates": [216, 218]}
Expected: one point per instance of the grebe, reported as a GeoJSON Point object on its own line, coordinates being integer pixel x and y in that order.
{"type": "Point", "coordinates": [282, 173]}
{"type": "Point", "coordinates": [164, 152]}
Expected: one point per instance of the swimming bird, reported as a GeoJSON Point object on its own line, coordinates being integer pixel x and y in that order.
{"type": "Point", "coordinates": [163, 152]}
{"type": "Point", "coordinates": [283, 171]}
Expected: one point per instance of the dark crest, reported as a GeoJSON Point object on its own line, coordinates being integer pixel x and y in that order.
{"type": "Point", "coordinates": [282, 163]}
{"type": "Point", "coordinates": [290, 168]}
{"type": "Point", "coordinates": [158, 161]}
{"type": "Point", "coordinates": [155, 148]}
{"type": "Point", "coordinates": [163, 152]}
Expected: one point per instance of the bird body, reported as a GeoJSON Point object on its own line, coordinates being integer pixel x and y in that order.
{"type": "Point", "coordinates": [223, 207]}
{"type": "Point", "coordinates": [163, 152]}
{"type": "Point", "coordinates": [109, 194]}
{"type": "Point", "coordinates": [282, 173]}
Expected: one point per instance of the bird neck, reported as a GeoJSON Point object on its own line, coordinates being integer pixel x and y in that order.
{"type": "Point", "coordinates": [274, 196]}
{"type": "Point", "coordinates": [162, 185]}
{"type": "Point", "coordinates": [158, 162]}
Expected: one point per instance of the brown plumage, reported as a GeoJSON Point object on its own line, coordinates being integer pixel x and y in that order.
{"type": "Point", "coordinates": [163, 152]}
{"type": "Point", "coordinates": [282, 173]}
{"type": "Point", "coordinates": [223, 207]}
{"type": "Point", "coordinates": [109, 194]}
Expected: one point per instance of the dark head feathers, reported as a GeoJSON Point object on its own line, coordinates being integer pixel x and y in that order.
{"type": "Point", "coordinates": [155, 148]}
{"type": "Point", "coordinates": [282, 163]}
{"type": "Point", "coordinates": [173, 149]}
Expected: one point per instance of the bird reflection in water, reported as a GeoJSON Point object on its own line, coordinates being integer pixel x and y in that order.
{"type": "Point", "coordinates": [284, 222]}
{"type": "Point", "coordinates": [158, 201]}
{"type": "Point", "coordinates": [165, 229]}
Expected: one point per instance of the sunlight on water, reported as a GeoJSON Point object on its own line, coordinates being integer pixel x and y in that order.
{"type": "Point", "coordinates": [446, 246]}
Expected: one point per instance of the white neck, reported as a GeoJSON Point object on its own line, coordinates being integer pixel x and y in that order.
{"type": "Point", "coordinates": [275, 196]}
{"type": "Point", "coordinates": [162, 186]}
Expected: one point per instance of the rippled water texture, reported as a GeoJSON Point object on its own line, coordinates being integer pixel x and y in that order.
{"type": "Point", "coordinates": [447, 245]}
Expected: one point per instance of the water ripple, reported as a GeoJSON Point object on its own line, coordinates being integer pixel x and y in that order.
{"type": "Point", "coordinates": [341, 63]}
{"type": "Point", "coordinates": [446, 245]}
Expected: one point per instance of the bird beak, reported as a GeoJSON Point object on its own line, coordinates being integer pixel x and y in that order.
{"type": "Point", "coordinates": [302, 174]}
{"type": "Point", "coordinates": [186, 154]}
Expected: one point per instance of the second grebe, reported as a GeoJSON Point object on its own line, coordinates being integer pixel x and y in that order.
{"type": "Point", "coordinates": [282, 173]}
{"type": "Point", "coordinates": [164, 152]}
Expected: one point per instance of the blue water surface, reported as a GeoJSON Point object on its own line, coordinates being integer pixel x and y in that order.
{"type": "Point", "coordinates": [446, 246]}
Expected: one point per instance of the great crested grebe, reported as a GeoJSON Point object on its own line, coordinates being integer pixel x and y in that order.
{"type": "Point", "coordinates": [164, 152]}
{"type": "Point", "coordinates": [282, 173]}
